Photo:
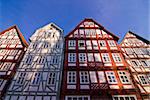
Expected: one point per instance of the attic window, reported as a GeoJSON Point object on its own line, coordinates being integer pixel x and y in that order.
{"type": "Point", "coordinates": [53, 35]}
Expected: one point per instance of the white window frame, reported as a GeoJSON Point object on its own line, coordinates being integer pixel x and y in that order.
{"type": "Point", "coordinates": [124, 97]}
{"type": "Point", "coordinates": [124, 77]}
{"type": "Point", "coordinates": [90, 57]}
{"type": "Point", "coordinates": [82, 57]}
{"type": "Point", "coordinates": [93, 32]}
{"type": "Point", "coordinates": [88, 44]}
{"type": "Point", "coordinates": [144, 63]}
{"type": "Point", "coordinates": [102, 43]}
{"type": "Point", "coordinates": [29, 59]}
{"type": "Point", "coordinates": [105, 57]}
{"type": "Point", "coordinates": [71, 57]}
{"type": "Point", "coordinates": [36, 78]}
{"type": "Point", "coordinates": [87, 32]}
{"type": "Point", "coordinates": [135, 63]}
{"type": "Point", "coordinates": [81, 32]}
{"type": "Point", "coordinates": [52, 76]}
{"type": "Point", "coordinates": [111, 43]}
{"type": "Point", "coordinates": [54, 59]}
{"type": "Point", "coordinates": [45, 45]}
{"type": "Point", "coordinates": [95, 45]}
{"type": "Point", "coordinates": [82, 97]}
{"type": "Point", "coordinates": [129, 50]}
{"type": "Point", "coordinates": [71, 77]}
{"type": "Point", "coordinates": [84, 77]}
{"type": "Point", "coordinates": [93, 76]}
{"type": "Point", "coordinates": [71, 43]}
{"type": "Point", "coordinates": [111, 77]}
{"type": "Point", "coordinates": [21, 78]}
{"type": "Point", "coordinates": [41, 59]}
{"type": "Point", "coordinates": [101, 77]}
{"type": "Point", "coordinates": [97, 57]}
{"type": "Point", "coordinates": [143, 79]}
{"type": "Point", "coordinates": [81, 41]}
{"type": "Point", "coordinates": [116, 57]}
{"type": "Point", "coordinates": [5, 66]}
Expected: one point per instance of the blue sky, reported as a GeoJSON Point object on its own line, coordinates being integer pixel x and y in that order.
{"type": "Point", "coordinates": [117, 16]}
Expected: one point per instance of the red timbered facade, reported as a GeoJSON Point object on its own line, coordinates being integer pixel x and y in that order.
{"type": "Point", "coordinates": [94, 67]}
{"type": "Point", "coordinates": [12, 48]}
{"type": "Point", "coordinates": [137, 53]}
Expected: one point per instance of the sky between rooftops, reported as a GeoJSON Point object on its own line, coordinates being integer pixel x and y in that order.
{"type": "Point", "coordinates": [117, 16]}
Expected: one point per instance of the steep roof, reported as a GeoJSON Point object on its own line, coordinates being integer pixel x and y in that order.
{"type": "Point", "coordinates": [100, 26]}
{"type": "Point", "coordinates": [141, 38]}
{"type": "Point", "coordinates": [45, 26]}
{"type": "Point", "coordinates": [137, 36]}
{"type": "Point", "coordinates": [20, 35]}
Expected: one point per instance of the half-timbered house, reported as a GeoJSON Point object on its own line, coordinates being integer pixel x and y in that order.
{"type": "Point", "coordinates": [39, 74]}
{"type": "Point", "coordinates": [94, 67]}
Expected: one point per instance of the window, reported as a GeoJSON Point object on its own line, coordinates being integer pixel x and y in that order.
{"type": "Point", "coordinates": [81, 32]}
{"type": "Point", "coordinates": [71, 57]}
{"type": "Point", "coordinates": [77, 98]}
{"type": "Point", "coordinates": [98, 31]}
{"type": "Point", "coordinates": [81, 43]}
{"type": "Point", "coordinates": [54, 59]}
{"type": "Point", "coordinates": [57, 45]}
{"type": "Point", "coordinates": [53, 35]}
{"type": "Point", "coordinates": [144, 63]}
{"type": "Point", "coordinates": [111, 77]}
{"type": "Point", "coordinates": [90, 57]}
{"type": "Point", "coordinates": [51, 78]}
{"type": "Point", "coordinates": [71, 77]}
{"type": "Point", "coordinates": [143, 79]}
{"type": "Point", "coordinates": [29, 59]}
{"type": "Point", "coordinates": [87, 32]}
{"type": "Point", "coordinates": [95, 45]}
{"type": "Point", "coordinates": [13, 52]}
{"type": "Point", "coordinates": [5, 66]}
{"type": "Point", "coordinates": [45, 45]}
{"type": "Point", "coordinates": [124, 97]}
{"type": "Point", "coordinates": [145, 51]}
{"type": "Point", "coordinates": [76, 33]}
{"type": "Point", "coordinates": [116, 57]}
{"type": "Point", "coordinates": [34, 45]}
{"type": "Point", "coordinates": [84, 77]}
{"type": "Point", "coordinates": [97, 57]}
{"type": "Point", "coordinates": [88, 44]}
{"type": "Point", "coordinates": [137, 51]}
{"type": "Point", "coordinates": [111, 43]}
{"type": "Point", "coordinates": [36, 78]}
{"type": "Point", "coordinates": [129, 50]}
{"type": "Point", "coordinates": [124, 77]}
{"type": "Point", "coordinates": [82, 57]}
{"type": "Point", "coordinates": [72, 43]}
{"type": "Point", "coordinates": [102, 43]}
{"type": "Point", "coordinates": [101, 77]}
{"type": "Point", "coordinates": [93, 32]}
{"type": "Point", "coordinates": [105, 57]}
{"type": "Point", "coordinates": [21, 78]}
{"type": "Point", "coordinates": [41, 60]}
{"type": "Point", "coordinates": [135, 63]}
{"type": "Point", "coordinates": [93, 77]}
